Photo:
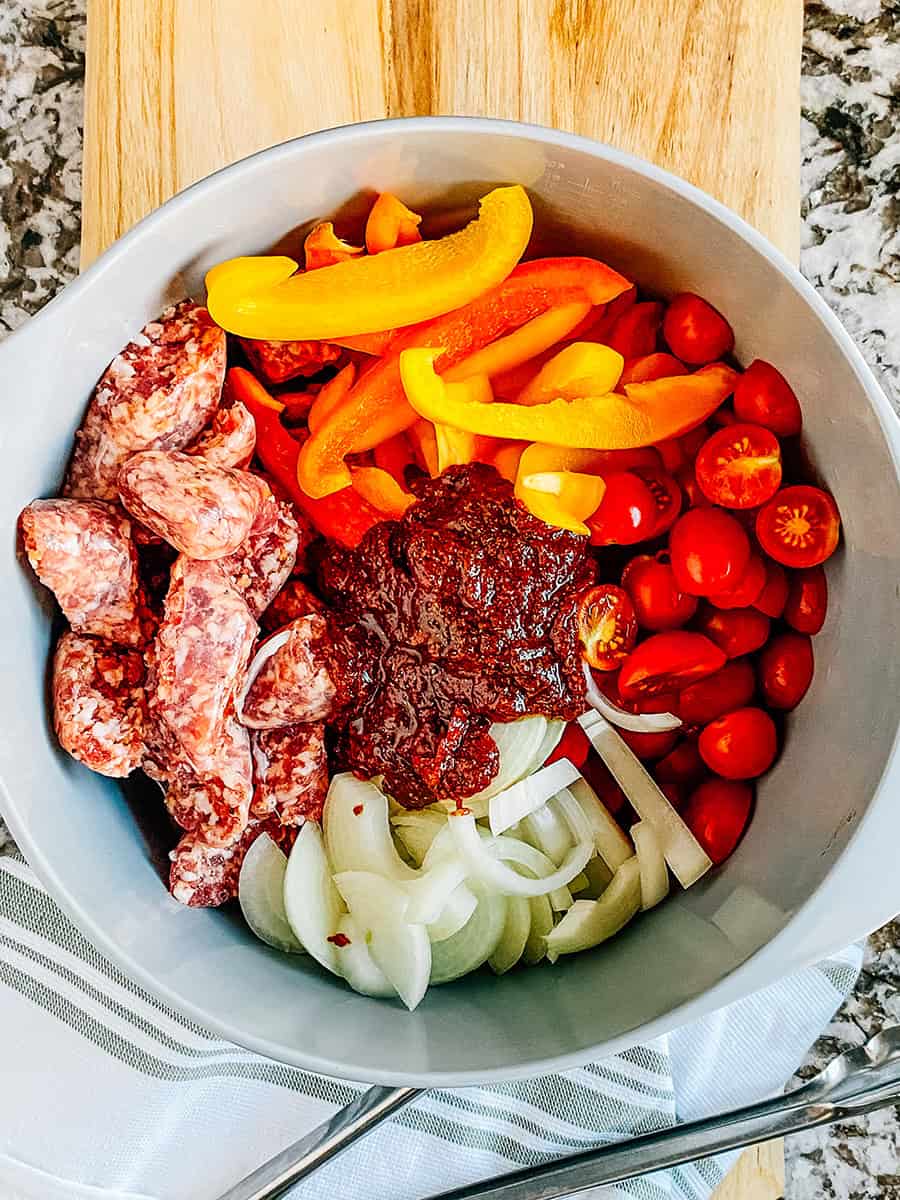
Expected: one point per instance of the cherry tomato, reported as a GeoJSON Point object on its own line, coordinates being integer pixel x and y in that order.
{"type": "Point", "coordinates": [652, 366]}
{"type": "Point", "coordinates": [772, 598]}
{"type": "Point", "coordinates": [668, 662]}
{"type": "Point", "coordinates": [730, 688]}
{"type": "Point", "coordinates": [602, 326]}
{"type": "Point", "coordinates": [687, 481]}
{"type": "Point", "coordinates": [627, 512]}
{"type": "Point", "coordinates": [786, 670]}
{"type": "Point", "coordinates": [717, 814]}
{"type": "Point", "coordinates": [649, 746]}
{"type": "Point", "coordinates": [679, 452]}
{"type": "Point", "coordinates": [695, 331]}
{"type": "Point", "coordinates": [634, 334]}
{"type": "Point", "coordinates": [595, 772]}
{"type": "Point", "coordinates": [763, 395]}
{"type": "Point", "coordinates": [574, 745]}
{"type": "Point", "coordinates": [682, 764]}
{"type": "Point", "coordinates": [658, 604]}
{"type": "Point", "coordinates": [674, 793]}
{"type": "Point", "coordinates": [667, 495]}
{"type": "Point", "coordinates": [740, 745]}
{"type": "Point", "coordinates": [807, 600]}
{"type": "Point", "coordinates": [740, 466]}
{"type": "Point", "coordinates": [748, 587]}
{"type": "Point", "coordinates": [737, 631]}
{"type": "Point", "coordinates": [723, 416]}
{"type": "Point", "coordinates": [709, 551]}
{"type": "Point", "coordinates": [607, 626]}
{"type": "Point", "coordinates": [626, 460]}
{"type": "Point", "coordinates": [799, 527]}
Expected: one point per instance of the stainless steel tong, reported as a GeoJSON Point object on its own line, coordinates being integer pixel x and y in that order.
{"type": "Point", "coordinates": [855, 1083]}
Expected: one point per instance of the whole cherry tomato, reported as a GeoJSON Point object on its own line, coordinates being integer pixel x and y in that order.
{"type": "Point", "coordinates": [649, 746]}
{"type": "Point", "coordinates": [607, 626]}
{"type": "Point", "coordinates": [723, 416]}
{"type": "Point", "coordinates": [658, 603]}
{"type": "Point", "coordinates": [771, 600]}
{"type": "Point", "coordinates": [667, 495]}
{"type": "Point", "coordinates": [695, 331]}
{"type": "Point", "coordinates": [737, 631]}
{"type": "Point", "coordinates": [652, 366]}
{"type": "Point", "coordinates": [627, 512]}
{"type": "Point", "coordinates": [668, 662]}
{"type": "Point", "coordinates": [740, 745]}
{"type": "Point", "coordinates": [597, 775]}
{"type": "Point", "coordinates": [634, 334]}
{"type": "Point", "coordinates": [740, 466]}
{"type": "Point", "coordinates": [682, 764]}
{"type": "Point", "coordinates": [748, 587]}
{"type": "Point", "coordinates": [786, 670]}
{"type": "Point", "coordinates": [674, 792]}
{"type": "Point", "coordinates": [799, 526]}
{"type": "Point", "coordinates": [763, 395]}
{"type": "Point", "coordinates": [717, 814]}
{"type": "Point", "coordinates": [573, 745]}
{"type": "Point", "coordinates": [807, 600]}
{"type": "Point", "coordinates": [687, 481]}
{"type": "Point", "coordinates": [730, 688]}
{"type": "Point", "coordinates": [680, 452]}
{"type": "Point", "coordinates": [709, 551]}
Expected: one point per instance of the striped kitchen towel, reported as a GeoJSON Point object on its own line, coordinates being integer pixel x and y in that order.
{"type": "Point", "coordinates": [107, 1093]}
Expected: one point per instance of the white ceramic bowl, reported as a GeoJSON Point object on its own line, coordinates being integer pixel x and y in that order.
{"type": "Point", "coordinates": [818, 867]}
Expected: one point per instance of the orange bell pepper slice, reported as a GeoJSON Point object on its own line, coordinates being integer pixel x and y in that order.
{"type": "Point", "coordinates": [424, 444]}
{"type": "Point", "coordinates": [394, 455]}
{"type": "Point", "coordinates": [391, 224]}
{"type": "Point", "coordinates": [263, 297]}
{"type": "Point", "coordinates": [581, 369]}
{"type": "Point", "coordinates": [524, 343]}
{"type": "Point", "coordinates": [382, 491]}
{"type": "Point", "coordinates": [561, 498]}
{"type": "Point", "coordinates": [323, 248]}
{"type": "Point", "coordinates": [330, 397]}
{"type": "Point", "coordinates": [375, 344]}
{"type": "Point", "coordinates": [540, 456]}
{"type": "Point", "coordinates": [652, 366]}
{"type": "Point", "coordinates": [505, 458]}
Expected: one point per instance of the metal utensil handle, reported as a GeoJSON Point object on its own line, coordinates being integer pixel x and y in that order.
{"type": "Point", "coordinates": [321, 1144]}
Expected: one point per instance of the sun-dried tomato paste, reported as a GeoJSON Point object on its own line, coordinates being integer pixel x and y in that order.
{"type": "Point", "coordinates": [460, 614]}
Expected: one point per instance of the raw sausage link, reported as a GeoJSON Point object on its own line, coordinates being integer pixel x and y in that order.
{"type": "Point", "coordinates": [98, 703]}
{"type": "Point", "coordinates": [158, 394]}
{"type": "Point", "coordinates": [290, 773]}
{"type": "Point", "coordinates": [82, 550]}
{"type": "Point", "coordinates": [202, 510]}
{"type": "Point", "coordinates": [279, 361]}
{"type": "Point", "coordinates": [265, 559]}
{"type": "Point", "coordinates": [230, 439]}
{"type": "Point", "coordinates": [204, 876]}
{"type": "Point", "coordinates": [200, 658]}
{"type": "Point", "coordinates": [294, 683]}
{"type": "Point", "coordinates": [294, 600]}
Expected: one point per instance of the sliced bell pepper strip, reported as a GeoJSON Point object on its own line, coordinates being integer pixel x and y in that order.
{"type": "Point", "coordinates": [562, 498]}
{"type": "Point", "coordinates": [382, 491]}
{"type": "Point", "coordinates": [391, 224]}
{"type": "Point", "coordinates": [345, 516]}
{"type": "Point", "coordinates": [331, 396]}
{"type": "Point", "coordinates": [505, 458]}
{"type": "Point", "coordinates": [652, 366]}
{"type": "Point", "coordinates": [647, 413]}
{"type": "Point", "coordinates": [535, 336]}
{"type": "Point", "coordinates": [376, 408]}
{"type": "Point", "coordinates": [456, 446]}
{"type": "Point", "coordinates": [607, 317]}
{"type": "Point", "coordinates": [394, 456]}
{"type": "Point", "coordinates": [264, 298]}
{"type": "Point", "coordinates": [540, 456]}
{"type": "Point", "coordinates": [323, 248]}
{"type": "Point", "coordinates": [375, 344]}
{"type": "Point", "coordinates": [635, 332]}
{"type": "Point", "coordinates": [581, 369]}
{"type": "Point", "coordinates": [424, 444]}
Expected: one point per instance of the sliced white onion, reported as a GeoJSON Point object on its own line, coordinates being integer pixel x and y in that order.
{"type": "Point", "coordinates": [354, 960]}
{"type": "Point", "coordinates": [684, 854]}
{"type": "Point", "coordinates": [402, 951]}
{"type": "Point", "coordinates": [541, 924]}
{"type": "Point", "coordinates": [264, 652]}
{"type": "Point", "coordinates": [261, 895]}
{"type": "Point", "coordinates": [484, 860]}
{"type": "Point", "coordinates": [428, 895]}
{"type": "Point", "coordinates": [555, 729]}
{"type": "Point", "coordinates": [514, 937]}
{"type": "Point", "coordinates": [311, 901]}
{"type": "Point", "coordinates": [470, 947]}
{"type": "Point", "coordinates": [580, 883]}
{"type": "Point", "coordinates": [599, 877]}
{"type": "Point", "coordinates": [590, 922]}
{"type": "Point", "coordinates": [652, 864]}
{"type": "Point", "coordinates": [610, 839]}
{"type": "Point", "coordinates": [416, 830]}
{"type": "Point", "coordinates": [455, 913]}
{"type": "Point", "coordinates": [519, 742]}
{"type": "Point", "coordinates": [523, 798]}
{"type": "Point", "coordinates": [546, 829]}
{"type": "Point", "coordinates": [637, 722]}
{"type": "Point", "coordinates": [357, 830]}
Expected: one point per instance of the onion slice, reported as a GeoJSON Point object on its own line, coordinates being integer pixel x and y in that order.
{"type": "Point", "coordinates": [546, 829]}
{"type": "Point", "coordinates": [590, 922]}
{"type": "Point", "coordinates": [519, 744]}
{"type": "Point", "coordinates": [470, 947]}
{"type": "Point", "coordinates": [652, 864]}
{"type": "Point", "coordinates": [416, 830]}
{"type": "Point", "coordinates": [514, 938]}
{"type": "Point", "coordinates": [455, 913]}
{"type": "Point", "coordinates": [484, 860]}
{"type": "Point", "coordinates": [637, 722]}
{"type": "Point", "coordinates": [428, 895]}
{"type": "Point", "coordinates": [354, 960]}
{"type": "Point", "coordinates": [529, 794]}
{"type": "Point", "coordinates": [541, 924]}
{"type": "Point", "coordinates": [261, 895]}
{"type": "Point", "coordinates": [311, 901]}
{"type": "Point", "coordinates": [357, 830]}
{"type": "Point", "coordinates": [610, 840]}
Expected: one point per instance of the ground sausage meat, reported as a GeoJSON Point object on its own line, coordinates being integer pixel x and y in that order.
{"type": "Point", "coordinates": [204, 876]}
{"type": "Point", "coordinates": [280, 361]}
{"type": "Point", "coordinates": [264, 560]}
{"type": "Point", "coordinates": [294, 600]}
{"type": "Point", "coordinates": [230, 439]}
{"type": "Point", "coordinates": [290, 773]}
{"type": "Point", "coordinates": [294, 682]}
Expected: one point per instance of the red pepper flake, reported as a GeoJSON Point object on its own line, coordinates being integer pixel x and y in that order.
{"type": "Point", "coordinates": [357, 810]}
{"type": "Point", "coordinates": [339, 939]}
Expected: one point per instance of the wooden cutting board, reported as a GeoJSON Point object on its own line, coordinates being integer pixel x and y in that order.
{"type": "Point", "coordinates": [707, 88]}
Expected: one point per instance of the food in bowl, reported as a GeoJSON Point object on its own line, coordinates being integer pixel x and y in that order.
{"type": "Point", "coordinates": [453, 598]}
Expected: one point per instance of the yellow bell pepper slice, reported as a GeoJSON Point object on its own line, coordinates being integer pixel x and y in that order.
{"type": "Point", "coordinates": [505, 458]}
{"type": "Point", "coordinates": [561, 498]}
{"type": "Point", "coordinates": [532, 338]}
{"type": "Point", "coordinates": [330, 397]}
{"type": "Point", "coordinates": [263, 297]}
{"type": "Point", "coordinates": [582, 369]}
{"type": "Point", "coordinates": [381, 490]}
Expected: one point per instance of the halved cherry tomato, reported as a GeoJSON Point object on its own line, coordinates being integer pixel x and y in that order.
{"type": "Point", "coordinates": [667, 495]}
{"type": "Point", "coordinates": [652, 366]}
{"type": "Point", "coordinates": [717, 814]}
{"type": "Point", "coordinates": [649, 746]}
{"type": "Point", "coordinates": [740, 745]}
{"type": "Point", "coordinates": [748, 587]}
{"type": "Point", "coordinates": [627, 512]}
{"type": "Point", "coordinates": [740, 466]}
{"type": "Point", "coordinates": [737, 631]}
{"type": "Point", "coordinates": [607, 626]}
{"type": "Point", "coordinates": [709, 551]}
{"type": "Point", "coordinates": [771, 600]}
{"type": "Point", "coordinates": [668, 662]}
{"type": "Point", "coordinates": [786, 670]}
{"type": "Point", "coordinates": [695, 331]}
{"type": "Point", "coordinates": [573, 745]}
{"type": "Point", "coordinates": [799, 527]}
{"type": "Point", "coordinates": [728, 689]}
{"type": "Point", "coordinates": [682, 764]}
{"type": "Point", "coordinates": [658, 602]}
{"type": "Point", "coordinates": [763, 395]}
{"type": "Point", "coordinates": [807, 600]}
{"type": "Point", "coordinates": [634, 334]}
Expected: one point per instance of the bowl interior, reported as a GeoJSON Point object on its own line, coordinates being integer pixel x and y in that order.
{"type": "Point", "coordinates": [81, 831]}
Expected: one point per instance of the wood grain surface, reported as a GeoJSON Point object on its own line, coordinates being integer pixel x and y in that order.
{"type": "Point", "coordinates": [706, 88]}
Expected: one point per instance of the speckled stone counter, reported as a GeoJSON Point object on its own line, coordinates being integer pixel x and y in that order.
{"type": "Point", "coordinates": [851, 252]}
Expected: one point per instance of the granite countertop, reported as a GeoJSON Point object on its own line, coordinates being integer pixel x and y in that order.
{"type": "Point", "coordinates": [851, 253]}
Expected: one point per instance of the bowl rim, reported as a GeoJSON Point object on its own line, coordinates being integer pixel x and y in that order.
{"type": "Point", "coordinates": [732, 986]}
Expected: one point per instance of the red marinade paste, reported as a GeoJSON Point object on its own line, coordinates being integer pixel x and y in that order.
{"type": "Point", "coordinates": [460, 614]}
